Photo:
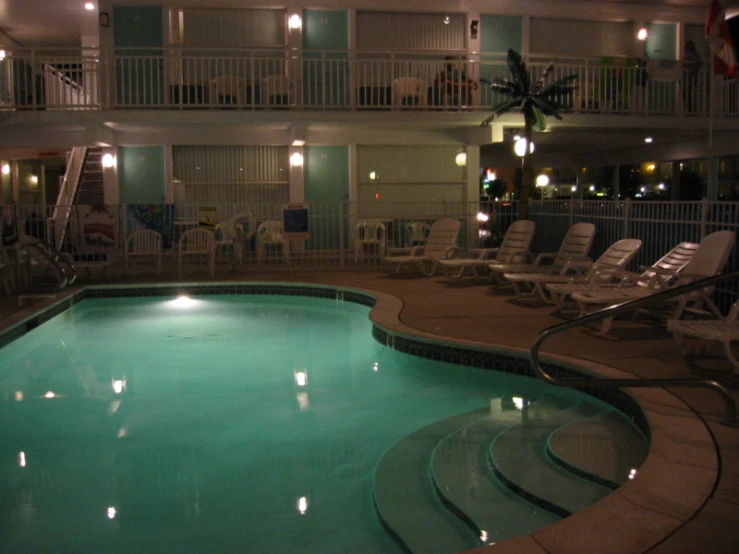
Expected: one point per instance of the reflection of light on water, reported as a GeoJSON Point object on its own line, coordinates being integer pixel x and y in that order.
{"type": "Point", "coordinates": [632, 474]}
{"type": "Point", "coordinates": [18, 395]}
{"type": "Point", "coordinates": [483, 535]}
{"type": "Point", "coordinates": [301, 378]}
{"type": "Point", "coordinates": [518, 402]}
{"type": "Point", "coordinates": [50, 394]}
{"type": "Point", "coordinates": [375, 366]}
{"type": "Point", "coordinates": [111, 512]}
{"type": "Point", "coordinates": [303, 401]}
{"type": "Point", "coordinates": [303, 504]}
{"type": "Point", "coordinates": [122, 432]}
{"type": "Point", "coordinates": [119, 385]}
{"type": "Point", "coordinates": [22, 459]}
{"type": "Point", "coordinates": [183, 301]}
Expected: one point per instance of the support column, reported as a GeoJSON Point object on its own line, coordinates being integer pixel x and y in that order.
{"type": "Point", "coordinates": [297, 174]}
{"type": "Point", "coordinates": [675, 178]}
{"type": "Point", "coordinates": [616, 182]}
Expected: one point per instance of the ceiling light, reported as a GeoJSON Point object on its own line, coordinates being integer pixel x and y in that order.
{"type": "Point", "coordinates": [461, 159]}
{"type": "Point", "coordinates": [648, 139]}
{"type": "Point", "coordinates": [542, 180]}
{"type": "Point", "coordinates": [89, 6]}
{"type": "Point", "coordinates": [642, 34]}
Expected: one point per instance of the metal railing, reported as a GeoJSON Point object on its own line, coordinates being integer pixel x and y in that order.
{"type": "Point", "coordinates": [592, 382]}
{"type": "Point", "coordinates": [238, 78]}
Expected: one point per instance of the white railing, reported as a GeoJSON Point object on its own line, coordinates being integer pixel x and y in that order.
{"type": "Point", "coordinates": [207, 78]}
{"type": "Point", "coordinates": [67, 191]}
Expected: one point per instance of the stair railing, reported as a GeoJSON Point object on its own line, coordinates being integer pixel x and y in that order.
{"type": "Point", "coordinates": [67, 192]}
{"type": "Point", "coordinates": [593, 382]}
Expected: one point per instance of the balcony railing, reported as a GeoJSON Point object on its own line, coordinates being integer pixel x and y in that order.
{"type": "Point", "coordinates": [203, 78]}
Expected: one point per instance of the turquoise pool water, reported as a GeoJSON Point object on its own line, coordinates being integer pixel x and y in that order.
{"type": "Point", "coordinates": [224, 424]}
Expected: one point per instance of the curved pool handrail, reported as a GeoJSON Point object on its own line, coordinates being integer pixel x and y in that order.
{"type": "Point", "coordinates": [593, 382]}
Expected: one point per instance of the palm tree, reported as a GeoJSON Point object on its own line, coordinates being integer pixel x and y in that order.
{"type": "Point", "coordinates": [536, 101]}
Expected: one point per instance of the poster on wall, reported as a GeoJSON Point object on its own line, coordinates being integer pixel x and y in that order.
{"type": "Point", "coordinates": [207, 217]}
{"type": "Point", "coordinates": [295, 221]}
{"type": "Point", "coordinates": [98, 228]}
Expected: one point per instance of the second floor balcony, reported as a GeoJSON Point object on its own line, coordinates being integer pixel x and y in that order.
{"type": "Point", "coordinates": [283, 79]}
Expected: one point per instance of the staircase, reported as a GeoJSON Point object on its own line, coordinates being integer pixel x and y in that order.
{"type": "Point", "coordinates": [82, 184]}
{"type": "Point", "coordinates": [91, 187]}
{"type": "Point", "coordinates": [482, 477]}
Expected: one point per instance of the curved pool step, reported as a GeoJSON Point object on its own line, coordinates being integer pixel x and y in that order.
{"type": "Point", "coordinates": [494, 511]}
{"type": "Point", "coordinates": [519, 458]}
{"type": "Point", "coordinates": [605, 449]}
{"type": "Point", "coordinates": [405, 496]}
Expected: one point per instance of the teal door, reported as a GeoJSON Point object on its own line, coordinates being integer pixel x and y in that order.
{"type": "Point", "coordinates": [326, 192]}
{"type": "Point", "coordinates": [141, 174]}
{"type": "Point", "coordinates": [139, 65]}
{"type": "Point", "coordinates": [325, 69]}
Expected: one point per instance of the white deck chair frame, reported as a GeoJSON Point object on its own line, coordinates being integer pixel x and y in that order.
{"type": "Point", "coordinates": [574, 248]}
{"type": "Point", "coordinates": [657, 275]}
{"type": "Point", "coordinates": [515, 248]}
{"type": "Point", "coordinates": [440, 245]}
{"type": "Point", "coordinates": [724, 331]}
{"type": "Point", "coordinates": [709, 260]}
{"type": "Point", "coordinates": [615, 258]}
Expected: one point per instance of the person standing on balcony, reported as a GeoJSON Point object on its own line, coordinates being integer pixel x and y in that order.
{"type": "Point", "coordinates": [453, 86]}
{"type": "Point", "coordinates": [691, 72]}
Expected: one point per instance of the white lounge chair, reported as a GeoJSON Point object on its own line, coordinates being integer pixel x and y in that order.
{"type": "Point", "coordinates": [198, 243]}
{"type": "Point", "coordinates": [615, 258]}
{"type": "Point", "coordinates": [271, 234]}
{"type": "Point", "coordinates": [709, 260]}
{"type": "Point", "coordinates": [724, 330]}
{"type": "Point", "coordinates": [370, 234]}
{"type": "Point", "coordinates": [515, 248]}
{"type": "Point", "coordinates": [440, 245]}
{"type": "Point", "coordinates": [143, 243]}
{"type": "Point", "coordinates": [574, 248]}
{"type": "Point", "coordinates": [657, 275]}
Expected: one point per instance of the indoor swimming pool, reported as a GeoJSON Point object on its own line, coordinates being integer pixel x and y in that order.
{"type": "Point", "coordinates": [274, 423]}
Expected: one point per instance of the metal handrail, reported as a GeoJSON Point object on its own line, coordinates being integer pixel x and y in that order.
{"type": "Point", "coordinates": [731, 411]}
{"type": "Point", "coordinates": [62, 266]}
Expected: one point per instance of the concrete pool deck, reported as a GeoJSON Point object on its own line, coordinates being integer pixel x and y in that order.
{"type": "Point", "coordinates": [685, 498]}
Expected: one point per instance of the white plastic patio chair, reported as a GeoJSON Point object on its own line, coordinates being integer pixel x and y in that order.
{"type": "Point", "coordinates": [197, 243]}
{"type": "Point", "coordinates": [232, 234]}
{"type": "Point", "coordinates": [615, 258]}
{"type": "Point", "coordinates": [658, 275]}
{"type": "Point", "coordinates": [270, 234]}
{"type": "Point", "coordinates": [440, 245]}
{"type": "Point", "coordinates": [409, 92]}
{"type": "Point", "coordinates": [278, 90]}
{"type": "Point", "coordinates": [574, 248]}
{"type": "Point", "coordinates": [514, 249]}
{"type": "Point", "coordinates": [709, 260]}
{"type": "Point", "coordinates": [372, 234]}
{"type": "Point", "coordinates": [724, 331]}
{"type": "Point", "coordinates": [144, 243]}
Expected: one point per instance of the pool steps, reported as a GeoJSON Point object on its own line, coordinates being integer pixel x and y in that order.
{"type": "Point", "coordinates": [559, 441]}
{"type": "Point", "coordinates": [621, 448]}
{"type": "Point", "coordinates": [409, 508]}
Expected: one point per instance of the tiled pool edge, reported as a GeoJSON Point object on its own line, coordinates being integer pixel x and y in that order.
{"type": "Point", "coordinates": [389, 330]}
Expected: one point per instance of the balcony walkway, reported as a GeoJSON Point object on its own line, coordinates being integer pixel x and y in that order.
{"type": "Point", "coordinates": [706, 482]}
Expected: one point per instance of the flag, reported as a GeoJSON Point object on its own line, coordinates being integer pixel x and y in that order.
{"type": "Point", "coordinates": [719, 39]}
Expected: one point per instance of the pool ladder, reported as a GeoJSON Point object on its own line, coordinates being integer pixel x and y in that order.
{"type": "Point", "coordinates": [35, 263]}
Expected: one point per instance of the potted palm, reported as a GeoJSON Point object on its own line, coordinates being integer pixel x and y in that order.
{"type": "Point", "coordinates": [536, 101]}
